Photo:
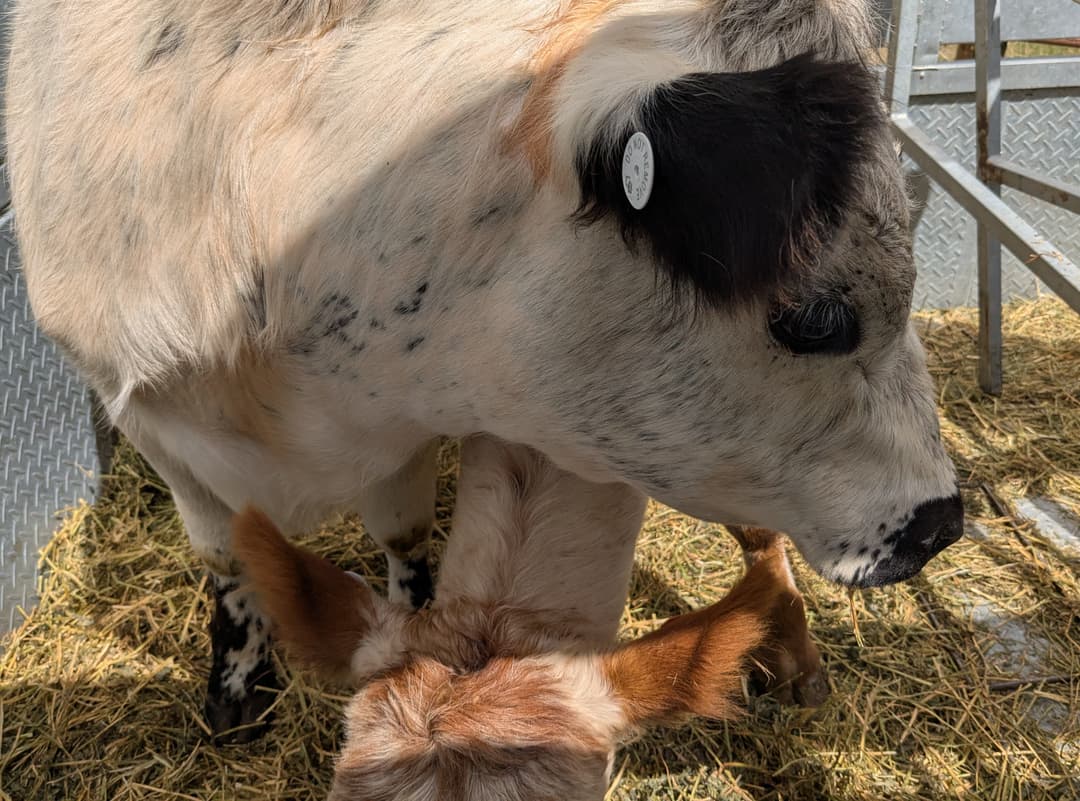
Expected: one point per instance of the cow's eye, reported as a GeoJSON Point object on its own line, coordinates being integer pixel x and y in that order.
{"type": "Point", "coordinates": [823, 325]}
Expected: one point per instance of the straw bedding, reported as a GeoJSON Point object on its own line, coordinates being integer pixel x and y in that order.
{"type": "Point", "coordinates": [966, 684]}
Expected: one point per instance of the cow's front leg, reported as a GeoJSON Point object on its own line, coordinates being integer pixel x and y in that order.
{"type": "Point", "coordinates": [399, 514]}
{"type": "Point", "coordinates": [792, 663]}
{"type": "Point", "coordinates": [242, 683]}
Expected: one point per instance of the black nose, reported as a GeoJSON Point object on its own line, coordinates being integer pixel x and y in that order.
{"type": "Point", "coordinates": [934, 526]}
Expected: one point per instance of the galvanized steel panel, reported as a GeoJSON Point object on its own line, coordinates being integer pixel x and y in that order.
{"type": "Point", "coordinates": [939, 24]}
{"type": "Point", "coordinates": [958, 77]}
{"type": "Point", "coordinates": [1020, 19]}
{"type": "Point", "coordinates": [950, 21]}
{"type": "Point", "coordinates": [1039, 133]}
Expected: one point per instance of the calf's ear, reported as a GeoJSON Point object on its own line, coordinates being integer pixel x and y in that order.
{"type": "Point", "coordinates": [694, 663]}
{"type": "Point", "coordinates": [751, 172]}
{"type": "Point", "coordinates": [320, 613]}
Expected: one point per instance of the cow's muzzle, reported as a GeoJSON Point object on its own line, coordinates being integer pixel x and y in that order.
{"type": "Point", "coordinates": [935, 526]}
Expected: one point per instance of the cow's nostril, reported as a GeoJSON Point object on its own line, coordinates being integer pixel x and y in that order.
{"type": "Point", "coordinates": [942, 520]}
{"type": "Point", "coordinates": [934, 526]}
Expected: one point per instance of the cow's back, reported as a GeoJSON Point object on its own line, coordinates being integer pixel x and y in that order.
{"type": "Point", "coordinates": [191, 179]}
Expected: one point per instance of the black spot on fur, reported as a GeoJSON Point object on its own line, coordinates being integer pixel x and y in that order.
{"type": "Point", "coordinates": [754, 172]}
{"type": "Point", "coordinates": [168, 41]}
{"type": "Point", "coordinates": [339, 322]}
{"type": "Point", "coordinates": [413, 344]}
{"type": "Point", "coordinates": [232, 47]}
{"type": "Point", "coordinates": [329, 326]}
{"type": "Point", "coordinates": [419, 585]}
{"type": "Point", "coordinates": [224, 709]}
{"type": "Point", "coordinates": [412, 306]}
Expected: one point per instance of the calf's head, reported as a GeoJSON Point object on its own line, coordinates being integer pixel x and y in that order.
{"type": "Point", "coordinates": [538, 725]}
{"type": "Point", "coordinates": [738, 345]}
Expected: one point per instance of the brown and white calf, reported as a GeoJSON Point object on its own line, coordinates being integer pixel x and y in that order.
{"type": "Point", "coordinates": [291, 243]}
{"type": "Point", "coordinates": [509, 685]}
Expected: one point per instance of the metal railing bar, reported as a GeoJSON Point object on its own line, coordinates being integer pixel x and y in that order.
{"type": "Point", "coordinates": [1024, 241]}
{"type": "Point", "coordinates": [1059, 193]}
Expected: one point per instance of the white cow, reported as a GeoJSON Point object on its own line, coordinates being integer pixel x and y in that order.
{"type": "Point", "coordinates": [290, 243]}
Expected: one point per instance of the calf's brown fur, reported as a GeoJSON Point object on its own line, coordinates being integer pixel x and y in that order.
{"type": "Point", "coordinates": [509, 686]}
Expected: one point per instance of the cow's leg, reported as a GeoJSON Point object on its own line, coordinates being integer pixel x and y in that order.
{"type": "Point", "coordinates": [399, 514]}
{"type": "Point", "coordinates": [792, 661]}
{"type": "Point", "coordinates": [242, 682]}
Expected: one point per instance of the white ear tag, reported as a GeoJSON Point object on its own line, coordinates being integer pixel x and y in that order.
{"type": "Point", "coordinates": [637, 170]}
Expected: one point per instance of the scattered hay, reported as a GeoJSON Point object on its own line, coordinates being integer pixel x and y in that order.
{"type": "Point", "coordinates": [1028, 440]}
{"type": "Point", "coordinates": [101, 688]}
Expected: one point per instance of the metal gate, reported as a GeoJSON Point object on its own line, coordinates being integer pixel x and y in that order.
{"type": "Point", "coordinates": [979, 193]}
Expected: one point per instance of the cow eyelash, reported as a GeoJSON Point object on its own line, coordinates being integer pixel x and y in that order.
{"type": "Point", "coordinates": [821, 325]}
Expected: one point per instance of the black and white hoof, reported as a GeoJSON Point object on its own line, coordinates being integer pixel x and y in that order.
{"type": "Point", "coordinates": [243, 683]}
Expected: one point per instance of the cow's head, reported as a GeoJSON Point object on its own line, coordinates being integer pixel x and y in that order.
{"type": "Point", "coordinates": [736, 339]}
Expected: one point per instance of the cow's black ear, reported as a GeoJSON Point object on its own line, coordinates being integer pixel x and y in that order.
{"type": "Point", "coordinates": [752, 172]}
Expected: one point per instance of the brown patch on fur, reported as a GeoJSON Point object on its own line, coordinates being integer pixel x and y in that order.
{"type": "Point", "coordinates": [465, 635]}
{"type": "Point", "coordinates": [509, 702]}
{"type": "Point", "coordinates": [756, 542]}
{"type": "Point", "coordinates": [564, 37]}
{"type": "Point", "coordinates": [505, 731]}
{"type": "Point", "coordinates": [694, 662]}
{"type": "Point", "coordinates": [408, 545]}
{"type": "Point", "coordinates": [321, 613]}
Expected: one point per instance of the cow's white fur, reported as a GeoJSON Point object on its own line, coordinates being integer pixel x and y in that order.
{"type": "Point", "coordinates": [151, 198]}
{"type": "Point", "coordinates": [290, 244]}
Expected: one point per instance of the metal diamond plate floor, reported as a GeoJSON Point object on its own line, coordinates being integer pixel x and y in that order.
{"type": "Point", "coordinates": [47, 445]}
